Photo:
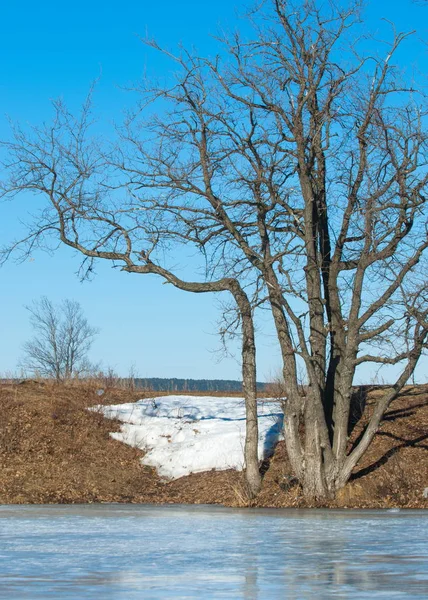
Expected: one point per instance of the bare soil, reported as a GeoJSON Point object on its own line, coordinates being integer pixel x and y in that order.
{"type": "Point", "coordinates": [53, 450]}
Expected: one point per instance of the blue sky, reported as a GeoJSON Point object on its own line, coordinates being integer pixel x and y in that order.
{"type": "Point", "coordinates": [52, 50]}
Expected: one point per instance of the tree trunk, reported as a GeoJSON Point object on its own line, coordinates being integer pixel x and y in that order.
{"type": "Point", "coordinates": [249, 380]}
{"type": "Point", "coordinates": [252, 472]}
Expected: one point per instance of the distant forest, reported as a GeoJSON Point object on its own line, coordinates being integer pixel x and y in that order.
{"type": "Point", "coordinates": [165, 384]}
{"type": "Point", "coordinates": [158, 384]}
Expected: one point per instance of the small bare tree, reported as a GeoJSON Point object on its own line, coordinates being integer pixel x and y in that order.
{"type": "Point", "coordinates": [63, 337]}
{"type": "Point", "coordinates": [297, 165]}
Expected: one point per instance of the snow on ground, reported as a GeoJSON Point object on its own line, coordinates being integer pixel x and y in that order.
{"type": "Point", "coordinates": [190, 434]}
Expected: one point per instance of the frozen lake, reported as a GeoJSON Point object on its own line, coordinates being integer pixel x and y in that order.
{"type": "Point", "coordinates": [131, 551]}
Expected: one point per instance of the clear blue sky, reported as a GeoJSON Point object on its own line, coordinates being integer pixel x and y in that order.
{"type": "Point", "coordinates": [52, 49]}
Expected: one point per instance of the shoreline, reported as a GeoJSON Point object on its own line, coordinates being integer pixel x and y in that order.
{"type": "Point", "coordinates": [220, 507]}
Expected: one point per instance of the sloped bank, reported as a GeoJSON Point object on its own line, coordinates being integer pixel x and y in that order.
{"type": "Point", "coordinates": [53, 450]}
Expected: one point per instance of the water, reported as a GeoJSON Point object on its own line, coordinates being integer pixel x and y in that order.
{"type": "Point", "coordinates": [142, 551]}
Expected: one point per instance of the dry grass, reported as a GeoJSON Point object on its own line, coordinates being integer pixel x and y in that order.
{"type": "Point", "coordinates": [53, 450]}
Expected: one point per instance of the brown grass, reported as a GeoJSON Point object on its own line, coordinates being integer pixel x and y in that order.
{"type": "Point", "coordinates": [53, 450]}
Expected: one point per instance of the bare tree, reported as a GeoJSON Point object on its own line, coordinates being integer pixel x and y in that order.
{"type": "Point", "coordinates": [296, 164]}
{"type": "Point", "coordinates": [63, 337]}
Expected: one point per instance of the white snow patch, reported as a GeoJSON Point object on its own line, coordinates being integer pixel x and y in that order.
{"type": "Point", "coordinates": [190, 434]}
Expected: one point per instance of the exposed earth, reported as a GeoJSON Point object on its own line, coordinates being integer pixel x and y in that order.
{"type": "Point", "coordinates": [53, 450]}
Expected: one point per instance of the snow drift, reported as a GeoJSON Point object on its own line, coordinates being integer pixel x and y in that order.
{"type": "Point", "coordinates": [190, 434]}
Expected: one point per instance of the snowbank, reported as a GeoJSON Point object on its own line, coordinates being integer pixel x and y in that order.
{"type": "Point", "coordinates": [190, 434]}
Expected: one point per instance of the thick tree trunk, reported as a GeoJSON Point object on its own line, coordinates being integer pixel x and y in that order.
{"type": "Point", "coordinates": [314, 484]}
{"type": "Point", "coordinates": [317, 457]}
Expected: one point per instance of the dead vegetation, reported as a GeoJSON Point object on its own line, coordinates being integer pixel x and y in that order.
{"type": "Point", "coordinates": [53, 450]}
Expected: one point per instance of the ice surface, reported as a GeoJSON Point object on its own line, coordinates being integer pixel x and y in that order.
{"type": "Point", "coordinates": [190, 434]}
{"type": "Point", "coordinates": [127, 552]}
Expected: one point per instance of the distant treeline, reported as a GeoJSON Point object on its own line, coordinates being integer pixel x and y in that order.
{"type": "Point", "coordinates": [159, 384]}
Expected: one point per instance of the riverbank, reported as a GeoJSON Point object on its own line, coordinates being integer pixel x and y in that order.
{"type": "Point", "coordinates": [53, 450]}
